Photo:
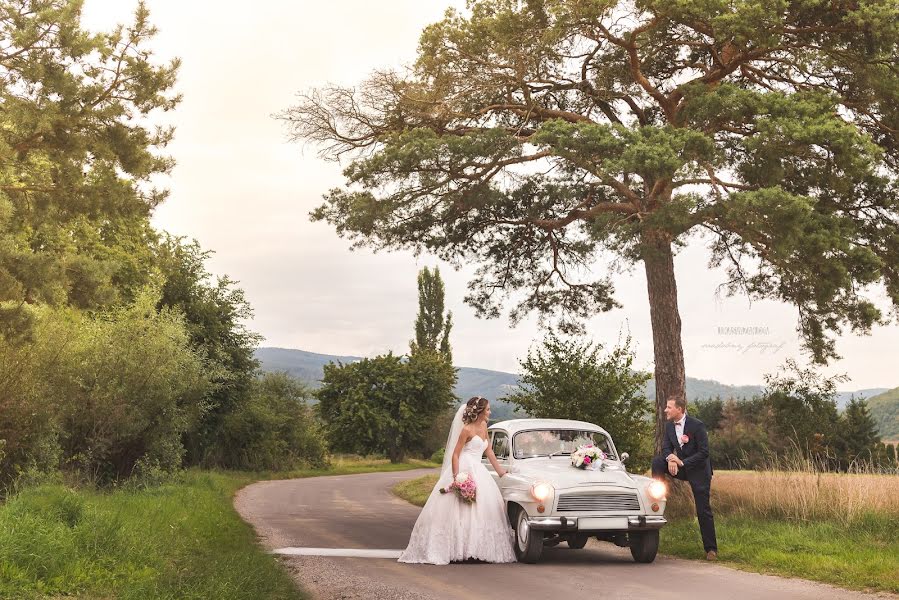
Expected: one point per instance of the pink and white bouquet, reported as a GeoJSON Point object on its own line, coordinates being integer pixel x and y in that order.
{"type": "Point", "coordinates": [587, 456]}
{"type": "Point", "coordinates": [464, 487]}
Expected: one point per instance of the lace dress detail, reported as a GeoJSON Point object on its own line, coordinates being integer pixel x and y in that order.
{"type": "Point", "coordinates": [449, 529]}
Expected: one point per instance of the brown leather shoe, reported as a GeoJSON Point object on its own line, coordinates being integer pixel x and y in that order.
{"type": "Point", "coordinates": [711, 555]}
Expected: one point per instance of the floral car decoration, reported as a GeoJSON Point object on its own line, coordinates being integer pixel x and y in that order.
{"type": "Point", "coordinates": [587, 456]}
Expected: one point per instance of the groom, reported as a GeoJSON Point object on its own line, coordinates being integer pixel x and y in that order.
{"type": "Point", "coordinates": [685, 456]}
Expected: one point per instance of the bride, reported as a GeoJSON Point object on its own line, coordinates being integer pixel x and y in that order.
{"type": "Point", "coordinates": [449, 529]}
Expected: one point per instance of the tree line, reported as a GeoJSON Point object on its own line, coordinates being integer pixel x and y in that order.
{"type": "Point", "coordinates": [379, 405]}
{"type": "Point", "coordinates": [795, 418]}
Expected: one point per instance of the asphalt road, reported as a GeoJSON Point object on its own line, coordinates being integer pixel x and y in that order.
{"type": "Point", "coordinates": [359, 512]}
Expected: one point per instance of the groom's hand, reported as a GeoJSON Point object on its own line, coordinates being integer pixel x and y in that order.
{"type": "Point", "coordinates": [672, 468]}
{"type": "Point", "coordinates": [675, 459]}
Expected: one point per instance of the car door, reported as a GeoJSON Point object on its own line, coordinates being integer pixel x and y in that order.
{"type": "Point", "coordinates": [499, 441]}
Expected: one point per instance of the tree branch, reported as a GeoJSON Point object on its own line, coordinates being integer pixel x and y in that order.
{"type": "Point", "coordinates": [533, 109]}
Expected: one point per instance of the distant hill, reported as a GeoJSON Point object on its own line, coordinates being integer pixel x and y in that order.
{"type": "Point", "coordinates": [885, 410]}
{"type": "Point", "coordinates": [709, 388]}
{"type": "Point", "coordinates": [299, 363]}
{"type": "Point", "coordinates": [843, 398]}
{"type": "Point", "coordinates": [700, 389]}
{"type": "Point", "coordinates": [496, 384]}
{"type": "Point", "coordinates": [471, 382]}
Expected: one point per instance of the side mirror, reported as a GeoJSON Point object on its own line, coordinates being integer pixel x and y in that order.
{"type": "Point", "coordinates": [625, 456]}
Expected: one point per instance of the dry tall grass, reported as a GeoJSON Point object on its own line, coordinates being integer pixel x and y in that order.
{"type": "Point", "coordinates": [802, 491]}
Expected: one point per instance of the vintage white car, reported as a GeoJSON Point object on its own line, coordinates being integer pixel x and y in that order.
{"type": "Point", "coordinates": [549, 500]}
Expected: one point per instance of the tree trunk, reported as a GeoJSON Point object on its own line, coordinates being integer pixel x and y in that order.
{"type": "Point", "coordinates": [396, 455]}
{"type": "Point", "coordinates": [666, 325]}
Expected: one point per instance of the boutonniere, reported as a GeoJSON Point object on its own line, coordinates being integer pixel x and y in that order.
{"type": "Point", "coordinates": [685, 438]}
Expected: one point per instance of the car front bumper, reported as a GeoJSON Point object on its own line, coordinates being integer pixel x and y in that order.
{"type": "Point", "coordinates": [629, 523]}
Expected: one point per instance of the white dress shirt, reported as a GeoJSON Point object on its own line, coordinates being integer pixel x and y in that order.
{"type": "Point", "coordinates": [679, 429]}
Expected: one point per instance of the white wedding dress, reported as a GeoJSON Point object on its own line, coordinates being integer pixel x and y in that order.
{"type": "Point", "coordinates": [450, 529]}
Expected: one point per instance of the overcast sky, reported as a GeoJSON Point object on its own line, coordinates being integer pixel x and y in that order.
{"type": "Point", "coordinates": [242, 190]}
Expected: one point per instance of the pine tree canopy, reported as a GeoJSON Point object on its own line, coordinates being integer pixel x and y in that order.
{"type": "Point", "coordinates": [532, 136]}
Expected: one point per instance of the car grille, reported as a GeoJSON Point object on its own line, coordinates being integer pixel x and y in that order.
{"type": "Point", "coordinates": [598, 502]}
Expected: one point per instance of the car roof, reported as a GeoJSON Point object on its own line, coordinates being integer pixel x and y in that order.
{"type": "Point", "coordinates": [513, 426]}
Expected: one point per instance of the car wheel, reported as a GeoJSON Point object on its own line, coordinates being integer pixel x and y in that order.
{"type": "Point", "coordinates": [644, 545]}
{"type": "Point", "coordinates": [578, 541]}
{"type": "Point", "coordinates": [528, 542]}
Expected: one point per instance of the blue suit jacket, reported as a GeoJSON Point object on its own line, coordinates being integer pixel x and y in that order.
{"type": "Point", "coordinates": [695, 453]}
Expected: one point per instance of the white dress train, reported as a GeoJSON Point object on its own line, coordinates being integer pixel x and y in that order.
{"type": "Point", "coordinates": [449, 529]}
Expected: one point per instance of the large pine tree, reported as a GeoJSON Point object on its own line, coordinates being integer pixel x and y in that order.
{"type": "Point", "coordinates": [529, 136]}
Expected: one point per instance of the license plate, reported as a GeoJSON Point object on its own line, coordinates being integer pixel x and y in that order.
{"type": "Point", "coordinates": [602, 523]}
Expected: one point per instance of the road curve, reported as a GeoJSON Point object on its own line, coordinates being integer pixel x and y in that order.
{"type": "Point", "coordinates": [358, 511]}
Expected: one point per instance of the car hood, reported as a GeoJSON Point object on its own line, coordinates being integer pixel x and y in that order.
{"type": "Point", "coordinates": [560, 473]}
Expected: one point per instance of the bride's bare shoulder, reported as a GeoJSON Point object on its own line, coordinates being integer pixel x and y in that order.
{"type": "Point", "coordinates": [468, 432]}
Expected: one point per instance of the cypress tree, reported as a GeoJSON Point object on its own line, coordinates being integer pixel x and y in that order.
{"type": "Point", "coordinates": [432, 328]}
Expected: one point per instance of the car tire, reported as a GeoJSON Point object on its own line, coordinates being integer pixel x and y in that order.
{"type": "Point", "coordinates": [644, 545]}
{"type": "Point", "coordinates": [528, 542]}
{"type": "Point", "coordinates": [578, 541]}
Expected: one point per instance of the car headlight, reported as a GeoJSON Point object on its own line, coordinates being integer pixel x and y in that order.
{"type": "Point", "coordinates": [657, 490]}
{"type": "Point", "coordinates": [541, 490]}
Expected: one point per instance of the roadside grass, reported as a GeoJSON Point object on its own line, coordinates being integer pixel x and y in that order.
{"type": "Point", "coordinates": [754, 534]}
{"type": "Point", "coordinates": [179, 539]}
{"type": "Point", "coordinates": [415, 491]}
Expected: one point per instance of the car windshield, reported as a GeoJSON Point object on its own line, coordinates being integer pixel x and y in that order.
{"type": "Point", "coordinates": [546, 442]}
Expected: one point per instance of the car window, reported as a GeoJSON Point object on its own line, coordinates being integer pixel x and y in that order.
{"type": "Point", "coordinates": [544, 442]}
{"type": "Point", "coordinates": [501, 445]}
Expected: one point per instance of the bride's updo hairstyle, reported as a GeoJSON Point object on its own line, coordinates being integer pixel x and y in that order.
{"type": "Point", "coordinates": [473, 409]}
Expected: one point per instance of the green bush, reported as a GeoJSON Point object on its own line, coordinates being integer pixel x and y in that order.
{"type": "Point", "coordinates": [385, 404]}
{"type": "Point", "coordinates": [435, 435]}
{"type": "Point", "coordinates": [127, 387]}
{"type": "Point", "coordinates": [28, 429]}
{"type": "Point", "coordinates": [568, 379]}
{"type": "Point", "coordinates": [437, 457]}
{"type": "Point", "coordinates": [274, 429]}
{"type": "Point", "coordinates": [114, 396]}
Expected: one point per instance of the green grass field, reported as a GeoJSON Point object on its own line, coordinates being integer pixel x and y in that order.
{"type": "Point", "coordinates": [863, 555]}
{"type": "Point", "coordinates": [182, 539]}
